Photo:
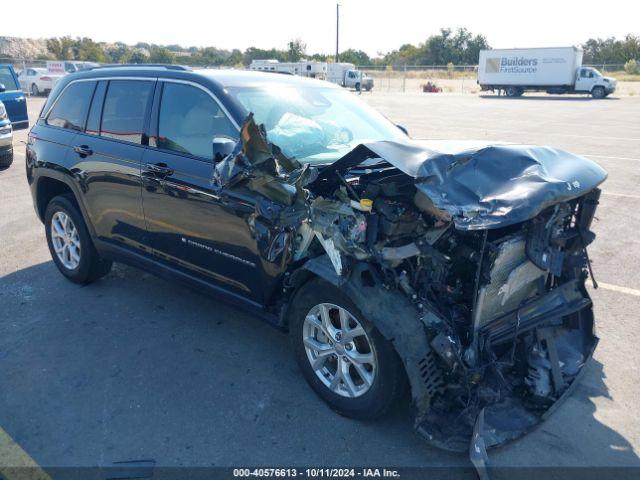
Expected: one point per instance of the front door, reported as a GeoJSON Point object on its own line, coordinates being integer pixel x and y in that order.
{"type": "Point", "coordinates": [13, 98]}
{"type": "Point", "coordinates": [585, 80]}
{"type": "Point", "coordinates": [191, 225]}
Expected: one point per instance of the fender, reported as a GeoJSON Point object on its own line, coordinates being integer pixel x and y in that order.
{"type": "Point", "coordinates": [42, 171]}
{"type": "Point", "coordinates": [397, 319]}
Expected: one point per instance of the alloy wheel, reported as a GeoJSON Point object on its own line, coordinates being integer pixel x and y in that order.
{"type": "Point", "coordinates": [339, 350]}
{"type": "Point", "coordinates": [66, 240]}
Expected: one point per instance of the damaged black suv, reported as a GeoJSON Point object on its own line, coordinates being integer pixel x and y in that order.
{"type": "Point", "coordinates": [455, 268]}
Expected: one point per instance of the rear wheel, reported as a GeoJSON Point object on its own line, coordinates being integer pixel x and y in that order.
{"type": "Point", "coordinates": [6, 158]}
{"type": "Point", "coordinates": [35, 91]}
{"type": "Point", "coordinates": [70, 244]}
{"type": "Point", "coordinates": [343, 357]}
{"type": "Point", "coordinates": [598, 92]}
{"type": "Point", "coordinates": [513, 92]}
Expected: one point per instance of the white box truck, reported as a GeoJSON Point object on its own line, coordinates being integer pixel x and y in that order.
{"type": "Point", "coordinates": [552, 70]}
{"type": "Point", "coordinates": [346, 75]}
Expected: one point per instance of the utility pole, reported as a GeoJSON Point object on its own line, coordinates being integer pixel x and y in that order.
{"type": "Point", "coordinates": [337, 29]}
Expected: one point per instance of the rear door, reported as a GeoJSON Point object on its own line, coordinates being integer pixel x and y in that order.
{"type": "Point", "coordinates": [13, 98]}
{"type": "Point", "coordinates": [192, 226]}
{"type": "Point", "coordinates": [107, 160]}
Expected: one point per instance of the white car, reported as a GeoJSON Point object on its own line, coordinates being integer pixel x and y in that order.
{"type": "Point", "coordinates": [37, 80]}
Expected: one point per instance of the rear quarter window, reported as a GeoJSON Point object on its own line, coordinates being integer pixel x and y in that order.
{"type": "Point", "coordinates": [125, 109]}
{"type": "Point", "coordinates": [70, 110]}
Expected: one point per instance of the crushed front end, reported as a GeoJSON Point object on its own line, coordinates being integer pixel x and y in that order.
{"type": "Point", "coordinates": [471, 260]}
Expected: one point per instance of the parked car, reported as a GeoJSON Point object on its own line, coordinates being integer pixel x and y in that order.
{"type": "Point", "coordinates": [6, 138]}
{"type": "Point", "coordinates": [37, 80]}
{"type": "Point", "coordinates": [456, 267]}
{"type": "Point", "coordinates": [72, 67]}
{"type": "Point", "coordinates": [13, 97]}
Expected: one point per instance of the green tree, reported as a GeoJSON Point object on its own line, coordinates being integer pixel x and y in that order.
{"type": "Point", "coordinates": [253, 53]}
{"type": "Point", "coordinates": [87, 50]}
{"type": "Point", "coordinates": [161, 55]}
{"type": "Point", "coordinates": [632, 67]}
{"type": "Point", "coordinates": [135, 56]}
{"type": "Point", "coordinates": [119, 53]}
{"type": "Point", "coordinates": [234, 59]}
{"type": "Point", "coordinates": [296, 50]}
{"type": "Point", "coordinates": [357, 57]}
{"type": "Point", "coordinates": [61, 48]}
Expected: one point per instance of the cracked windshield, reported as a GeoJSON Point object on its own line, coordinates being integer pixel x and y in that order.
{"type": "Point", "coordinates": [315, 125]}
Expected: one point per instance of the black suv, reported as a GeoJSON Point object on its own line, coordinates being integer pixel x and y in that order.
{"type": "Point", "coordinates": [457, 268]}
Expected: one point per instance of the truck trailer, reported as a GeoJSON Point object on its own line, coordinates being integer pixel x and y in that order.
{"type": "Point", "coordinates": [551, 70]}
{"type": "Point", "coordinates": [343, 74]}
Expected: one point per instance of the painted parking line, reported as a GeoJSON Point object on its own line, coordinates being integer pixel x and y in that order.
{"type": "Point", "coordinates": [15, 463]}
{"type": "Point", "coordinates": [621, 195]}
{"type": "Point", "coordinates": [610, 157]}
{"type": "Point", "coordinates": [617, 288]}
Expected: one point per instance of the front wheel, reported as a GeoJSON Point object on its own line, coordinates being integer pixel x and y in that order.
{"type": "Point", "coordinates": [358, 87]}
{"type": "Point", "coordinates": [70, 244]}
{"type": "Point", "coordinates": [598, 92]}
{"type": "Point", "coordinates": [35, 91]}
{"type": "Point", "coordinates": [343, 357]}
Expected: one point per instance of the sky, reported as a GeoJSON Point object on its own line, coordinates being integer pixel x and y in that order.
{"type": "Point", "coordinates": [369, 25]}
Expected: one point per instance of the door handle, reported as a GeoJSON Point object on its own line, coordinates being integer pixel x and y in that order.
{"type": "Point", "coordinates": [160, 169]}
{"type": "Point", "coordinates": [83, 150]}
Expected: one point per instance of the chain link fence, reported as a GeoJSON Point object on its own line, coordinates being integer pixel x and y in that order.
{"type": "Point", "coordinates": [388, 78]}
{"type": "Point", "coordinates": [446, 78]}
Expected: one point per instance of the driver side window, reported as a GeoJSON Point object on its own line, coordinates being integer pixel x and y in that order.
{"type": "Point", "coordinates": [189, 119]}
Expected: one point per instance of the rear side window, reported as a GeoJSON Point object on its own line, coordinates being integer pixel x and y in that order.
{"type": "Point", "coordinates": [125, 109]}
{"type": "Point", "coordinates": [189, 119]}
{"type": "Point", "coordinates": [70, 110]}
{"type": "Point", "coordinates": [6, 78]}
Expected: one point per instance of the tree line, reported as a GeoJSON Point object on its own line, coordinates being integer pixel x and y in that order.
{"type": "Point", "coordinates": [459, 47]}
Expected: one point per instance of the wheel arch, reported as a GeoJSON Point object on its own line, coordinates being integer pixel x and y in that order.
{"type": "Point", "coordinates": [50, 185]}
{"type": "Point", "coordinates": [392, 313]}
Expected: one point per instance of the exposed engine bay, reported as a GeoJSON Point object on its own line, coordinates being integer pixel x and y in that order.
{"type": "Point", "coordinates": [472, 263]}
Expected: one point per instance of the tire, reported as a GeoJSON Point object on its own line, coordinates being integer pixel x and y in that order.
{"type": "Point", "coordinates": [35, 91]}
{"type": "Point", "coordinates": [6, 159]}
{"type": "Point", "coordinates": [358, 87]}
{"type": "Point", "coordinates": [598, 92]}
{"type": "Point", "coordinates": [388, 381]}
{"type": "Point", "coordinates": [85, 267]}
{"type": "Point", "coordinates": [513, 92]}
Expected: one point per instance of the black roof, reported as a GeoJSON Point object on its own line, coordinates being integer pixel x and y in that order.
{"type": "Point", "coordinates": [216, 80]}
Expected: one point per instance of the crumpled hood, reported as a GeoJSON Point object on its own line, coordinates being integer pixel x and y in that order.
{"type": "Point", "coordinates": [483, 185]}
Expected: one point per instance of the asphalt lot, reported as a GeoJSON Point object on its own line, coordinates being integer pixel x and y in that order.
{"type": "Point", "coordinates": [134, 367]}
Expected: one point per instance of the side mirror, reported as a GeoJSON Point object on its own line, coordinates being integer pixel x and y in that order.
{"type": "Point", "coordinates": [222, 146]}
{"type": "Point", "coordinates": [2, 87]}
{"type": "Point", "coordinates": [406, 132]}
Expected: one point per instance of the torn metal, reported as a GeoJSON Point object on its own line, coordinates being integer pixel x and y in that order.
{"type": "Point", "coordinates": [471, 260]}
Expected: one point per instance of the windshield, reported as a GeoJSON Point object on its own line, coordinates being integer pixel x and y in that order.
{"type": "Point", "coordinates": [315, 125]}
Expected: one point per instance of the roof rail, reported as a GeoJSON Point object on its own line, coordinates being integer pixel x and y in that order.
{"type": "Point", "coordinates": [143, 65]}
